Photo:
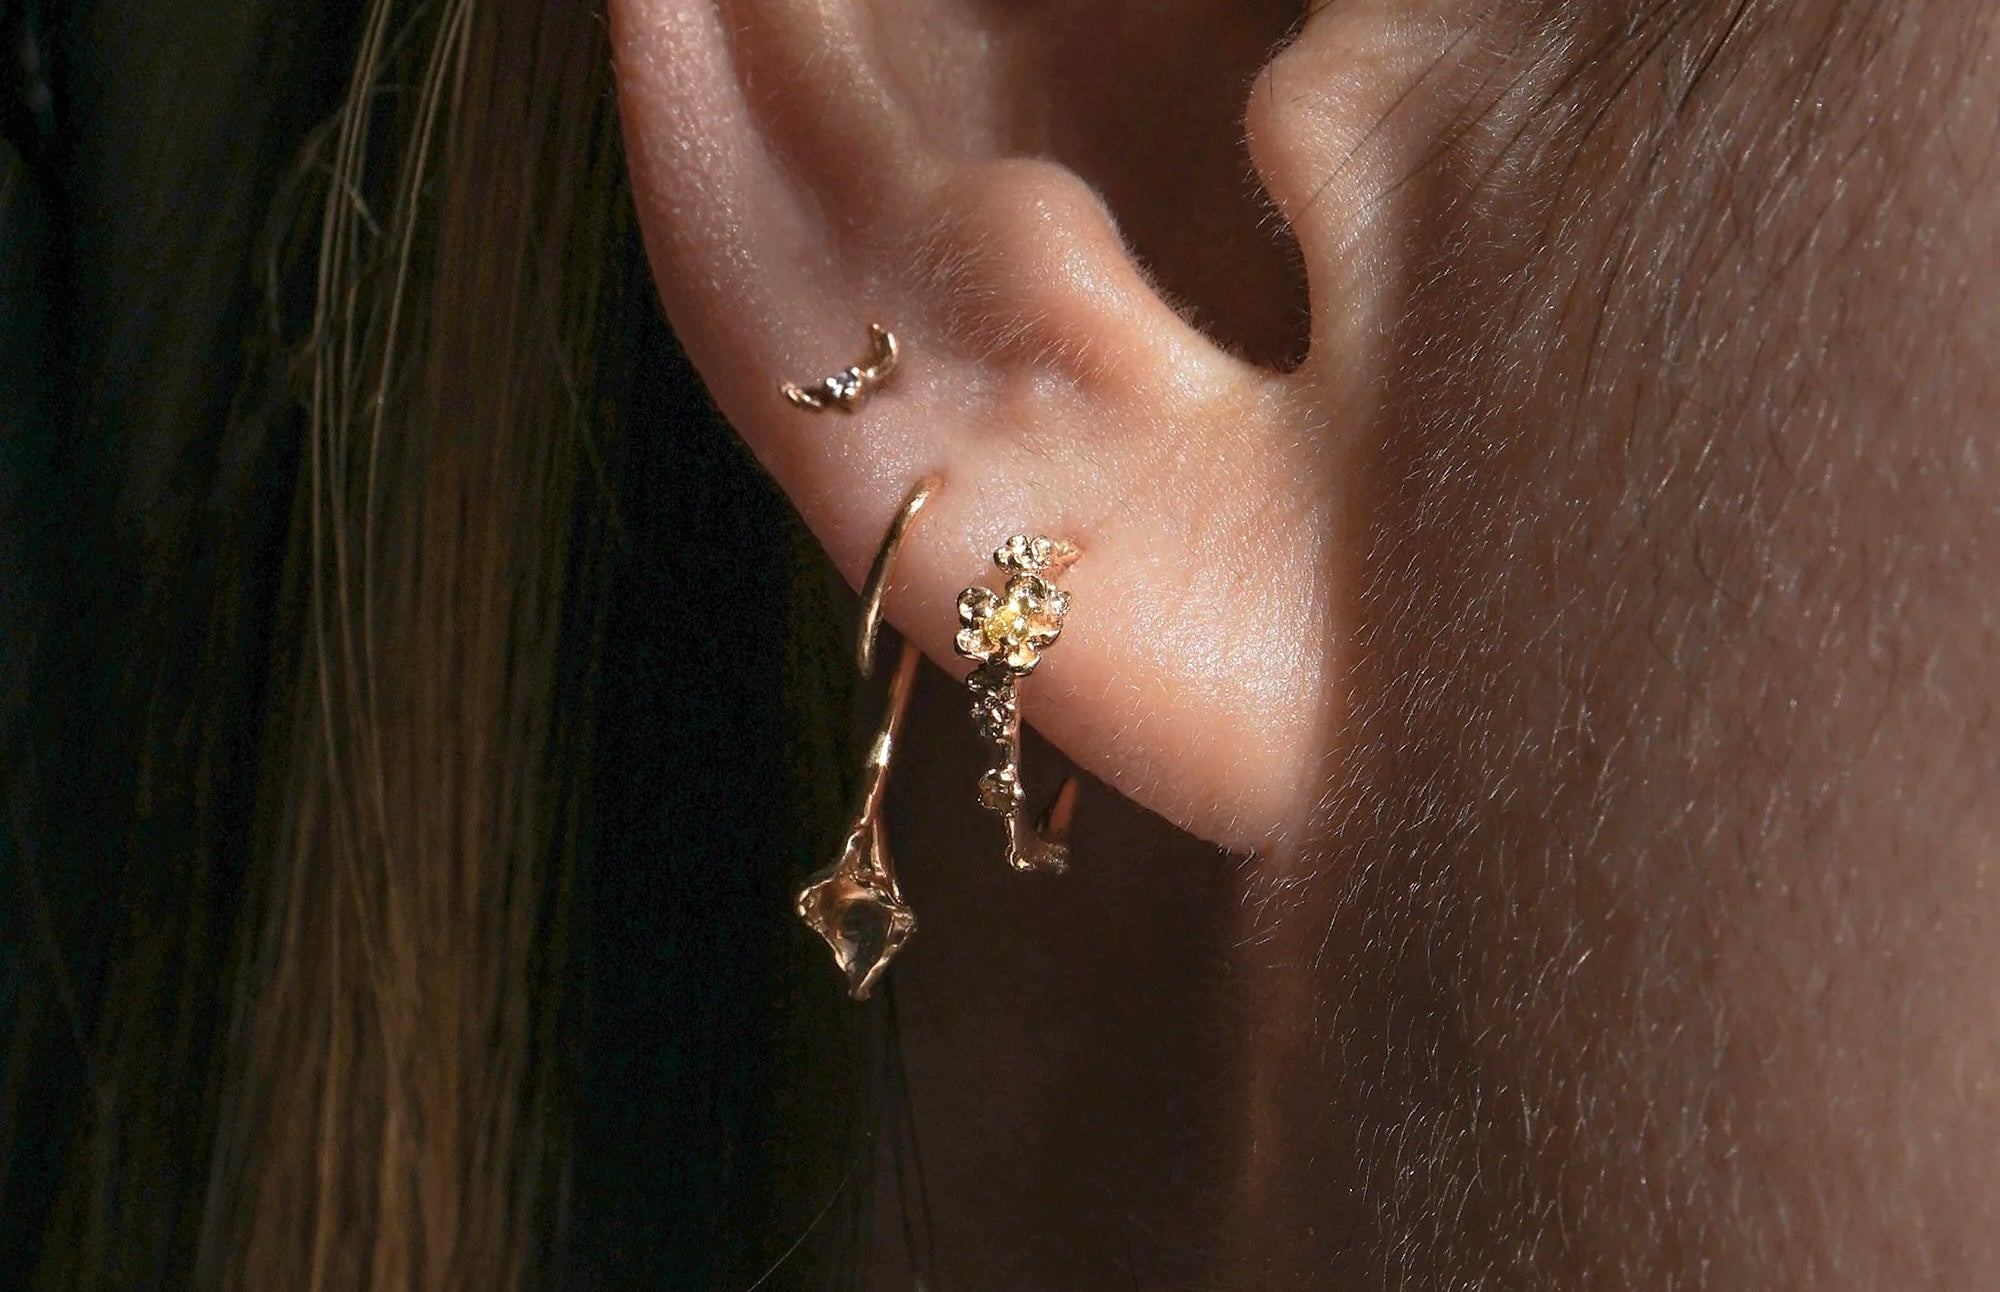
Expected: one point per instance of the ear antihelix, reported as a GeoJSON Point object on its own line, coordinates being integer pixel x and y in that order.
{"type": "Point", "coordinates": [1026, 263]}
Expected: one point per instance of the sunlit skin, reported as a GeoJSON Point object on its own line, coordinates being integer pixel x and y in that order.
{"type": "Point", "coordinates": [1533, 631]}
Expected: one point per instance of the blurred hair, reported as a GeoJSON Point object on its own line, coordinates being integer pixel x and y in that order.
{"type": "Point", "coordinates": [298, 1000]}
{"type": "Point", "coordinates": [375, 1103]}
{"type": "Point", "coordinates": [392, 1044]}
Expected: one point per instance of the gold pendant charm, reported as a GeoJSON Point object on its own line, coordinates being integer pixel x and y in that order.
{"type": "Point", "coordinates": [855, 904]}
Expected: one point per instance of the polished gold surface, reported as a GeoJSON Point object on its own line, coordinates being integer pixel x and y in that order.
{"type": "Point", "coordinates": [855, 904]}
{"type": "Point", "coordinates": [848, 389]}
{"type": "Point", "coordinates": [877, 586]}
{"type": "Point", "coordinates": [1004, 634]}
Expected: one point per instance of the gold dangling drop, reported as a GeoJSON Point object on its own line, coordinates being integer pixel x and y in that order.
{"type": "Point", "coordinates": [855, 904]}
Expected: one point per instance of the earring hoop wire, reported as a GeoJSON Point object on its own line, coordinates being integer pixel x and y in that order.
{"type": "Point", "coordinates": [855, 904]}
{"type": "Point", "coordinates": [877, 587]}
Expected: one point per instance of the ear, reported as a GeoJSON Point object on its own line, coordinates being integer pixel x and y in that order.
{"type": "Point", "coordinates": [806, 167]}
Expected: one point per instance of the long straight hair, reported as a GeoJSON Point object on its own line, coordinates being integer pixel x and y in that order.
{"type": "Point", "coordinates": [363, 1009]}
{"type": "Point", "coordinates": [318, 1033]}
{"type": "Point", "coordinates": [391, 1048]}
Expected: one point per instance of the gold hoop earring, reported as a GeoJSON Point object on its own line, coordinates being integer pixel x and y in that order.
{"type": "Point", "coordinates": [848, 389]}
{"type": "Point", "coordinates": [1004, 633]}
{"type": "Point", "coordinates": [855, 904]}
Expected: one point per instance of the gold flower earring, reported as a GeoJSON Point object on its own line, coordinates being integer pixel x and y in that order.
{"type": "Point", "coordinates": [855, 904]}
{"type": "Point", "coordinates": [1004, 633]}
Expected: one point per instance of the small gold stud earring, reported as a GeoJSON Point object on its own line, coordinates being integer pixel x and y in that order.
{"type": "Point", "coordinates": [855, 904]}
{"type": "Point", "coordinates": [1004, 633]}
{"type": "Point", "coordinates": [849, 389]}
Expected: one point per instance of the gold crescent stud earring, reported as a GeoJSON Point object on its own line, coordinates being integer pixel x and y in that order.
{"type": "Point", "coordinates": [1004, 633]}
{"type": "Point", "coordinates": [848, 389]}
{"type": "Point", "coordinates": [855, 904]}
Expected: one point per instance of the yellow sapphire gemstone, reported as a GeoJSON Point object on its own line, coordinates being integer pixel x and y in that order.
{"type": "Point", "coordinates": [1008, 624]}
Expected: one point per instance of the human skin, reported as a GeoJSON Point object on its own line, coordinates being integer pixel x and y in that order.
{"type": "Point", "coordinates": [1583, 648]}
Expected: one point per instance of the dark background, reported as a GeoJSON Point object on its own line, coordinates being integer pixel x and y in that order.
{"type": "Point", "coordinates": [151, 291]}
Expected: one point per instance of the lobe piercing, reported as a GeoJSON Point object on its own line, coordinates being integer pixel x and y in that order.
{"type": "Point", "coordinates": [849, 389]}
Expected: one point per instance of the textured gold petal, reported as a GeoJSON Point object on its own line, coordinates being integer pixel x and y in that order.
{"type": "Point", "coordinates": [1030, 587]}
{"type": "Point", "coordinates": [974, 604]}
{"type": "Point", "coordinates": [1012, 551]}
{"type": "Point", "coordinates": [973, 645]}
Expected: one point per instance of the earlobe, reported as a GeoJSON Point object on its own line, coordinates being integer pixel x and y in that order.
{"type": "Point", "coordinates": [795, 185]}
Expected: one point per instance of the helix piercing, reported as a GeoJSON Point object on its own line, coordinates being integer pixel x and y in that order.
{"type": "Point", "coordinates": [1004, 633]}
{"type": "Point", "coordinates": [849, 389]}
{"type": "Point", "coordinates": [855, 904]}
